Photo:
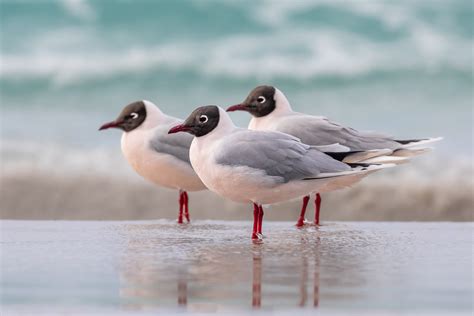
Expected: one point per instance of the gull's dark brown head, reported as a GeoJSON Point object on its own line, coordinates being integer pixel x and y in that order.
{"type": "Point", "coordinates": [131, 117]}
{"type": "Point", "coordinates": [259, 102]}
{"type": "Point", "coordinates": [200, 122]}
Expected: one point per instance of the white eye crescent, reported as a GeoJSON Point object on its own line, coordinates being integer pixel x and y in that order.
{"type": "Point", "coordinates": [203, 119]}
{"type": "Point", "coordinates": [261, 99]}
{"type": "Point", "coordinates": [133, 115]}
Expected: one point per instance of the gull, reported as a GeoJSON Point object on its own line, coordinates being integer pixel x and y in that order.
{"type": "Point", "coordinates": [271, 110]}
{"type": "Point", "coordinates": [158, 157]}
{"type": "Point", "coordinates": [258, 167]}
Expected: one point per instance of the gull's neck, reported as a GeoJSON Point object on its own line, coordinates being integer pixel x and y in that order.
{"type": "Point", "coordinates": [282, 109]}
{"type": "Point", "coordinates": [154, 116]}
{"type": "Point", "coordinates": [282, 105]}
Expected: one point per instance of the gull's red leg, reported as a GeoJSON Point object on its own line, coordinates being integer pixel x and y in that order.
{"type": "Point", "coordinates": [260, 220]}
{"type": "Point", "coordinates": [256, 212]}
{"type": "Point", "coordinates": [186, 206]}
{"type": "Point", "coordinates": [181, 205]}
{"type": "Point", "coordinates": [300, 222]}
{"type": "Point", "coordinates": [317, 203]}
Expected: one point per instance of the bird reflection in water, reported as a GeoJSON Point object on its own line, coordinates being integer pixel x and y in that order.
{"type": "Point", "coordinates": [317, 268]}
{"type": "Point", "coordinates": [257, 275]}
{"type": "Point", "coordinates": [304, 278]}
{"type": "Point", "coordinates": [182, 291]}
{"type": "Point", "coordinates": [205, 276]}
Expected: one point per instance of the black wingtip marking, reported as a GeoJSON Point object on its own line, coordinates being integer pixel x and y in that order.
{"type": "Point", "coordinates": [364, 165]}
{"type": "Point", "coordinates": [409, 141]}
{"type": "Point", "coordinates": [340, 156]}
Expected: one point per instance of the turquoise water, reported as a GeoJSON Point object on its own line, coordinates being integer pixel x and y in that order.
{"type": "Point", "coordinates": [52, 267]}
{"type": "Point", "coordinates": [403, 68]}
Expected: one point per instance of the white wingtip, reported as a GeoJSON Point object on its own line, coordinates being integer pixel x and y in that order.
{"type": "Point", "coordinates": [387, 160]}
{"type": "Point", "coordinates": [422, 142]}
{"type": "Point", "coordinates": [368, 154]}
{"type": "Point", "coordinates": [381, 166]}
{"type": "Point", "coordinates": [411, 152]}
{"type": "Point", "coordinates": [355, 170]}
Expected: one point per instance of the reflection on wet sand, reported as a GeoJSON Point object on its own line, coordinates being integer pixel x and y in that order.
{"type": "Point", "coordinates": [304, 278]}
{"type": "Point", "coordinates": [304, 282]}
{"type": "Point", "coordinates": [257, 276]}
{"type": "Point", "coordinates": [203, 275]}
{"type": "Point", "coordinates": [212, 267]}
{"type": "Point", "coordinates": [182, 292]}
{"type": "Point", "coordinates": [316, 277]}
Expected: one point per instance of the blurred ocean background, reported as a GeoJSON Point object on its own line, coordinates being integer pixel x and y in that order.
{"type": "Point", "coordinates": [404, 68]}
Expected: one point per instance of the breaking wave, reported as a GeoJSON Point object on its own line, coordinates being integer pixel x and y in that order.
{"type": "Point", "coordinates": [290, 40]}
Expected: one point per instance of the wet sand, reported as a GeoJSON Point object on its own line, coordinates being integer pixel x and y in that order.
{"type": "Point", "coordinates": [212, 267]}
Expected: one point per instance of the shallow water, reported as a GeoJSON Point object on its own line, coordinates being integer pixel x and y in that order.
{"type": "Point", "coordinates": [212, 266]}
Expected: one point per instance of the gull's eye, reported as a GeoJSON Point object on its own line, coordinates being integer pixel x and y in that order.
{"type": "Point", "coordinates": [133, 115]}
{"type": "Point", "coordinates": [261, 99]}
{"type": "Point", "coordinates": [203, 119]}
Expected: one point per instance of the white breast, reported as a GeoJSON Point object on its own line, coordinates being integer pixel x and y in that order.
{"type": "Point", "coordinates": [271, 122]}
{"type": "Point", "coordinates": [161, 169]}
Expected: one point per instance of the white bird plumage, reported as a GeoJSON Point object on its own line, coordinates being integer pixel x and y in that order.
{"type": "Point", "coordinates": [160, 158]}
{"type": "Point", "coordinates": [276, 114]}
{"type": "Point", "coordinates": [259, 167]}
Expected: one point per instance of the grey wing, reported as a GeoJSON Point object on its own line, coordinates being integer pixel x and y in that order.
{"type": "Point", "coordinates": [317, 131]}
{"type": "Point", "coordinates": [176, 145]}
{"type": "Point", "coordinates": [277, 154]}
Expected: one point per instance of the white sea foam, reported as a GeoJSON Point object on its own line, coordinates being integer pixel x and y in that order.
{"type": "Point", "coordinates": [79, 8]}
{"type": "Point", "coordinates": [26, 156]}
{"type": "Point", "coordinates": [296, 53]}
{"type": "Point", "coordinates": [289, 50]}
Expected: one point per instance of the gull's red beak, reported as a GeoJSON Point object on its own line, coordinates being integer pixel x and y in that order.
{"type": "Point", "coordinates": [113, 124]}
{"type": "Point", "coordinates": [179, 128]}
{"type": "Point", "coordinates": [237, 107]}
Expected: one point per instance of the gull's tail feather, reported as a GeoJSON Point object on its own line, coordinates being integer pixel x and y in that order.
{"type": "Point", "coordinates": [387, 160]}
{"type": "Point", "coordinates": [364, 167]}
{"type": "Point", "coordinates": [359, 171]}
{"type": "Point", "coordinates": [416, 143]}
{"type": "Point", "coordinates": [357, 168]}
{"type": "Point", "coordinates": [410, 148]}
{"type": "Point", "coordinates": [411, 152]}
{"type": "Point", "coordinates": [362, 156]}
